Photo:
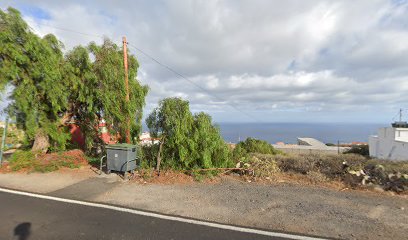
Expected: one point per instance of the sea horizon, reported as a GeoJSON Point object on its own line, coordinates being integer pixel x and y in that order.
{"type": "Point", "coordinates": [288, 132]}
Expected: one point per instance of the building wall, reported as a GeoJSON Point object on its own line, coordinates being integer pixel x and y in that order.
{"type": "Point", "coordinates": [391, 143]}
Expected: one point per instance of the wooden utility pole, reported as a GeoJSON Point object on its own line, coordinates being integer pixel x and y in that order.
{"type": "Point", "coordinates": [127, 87]}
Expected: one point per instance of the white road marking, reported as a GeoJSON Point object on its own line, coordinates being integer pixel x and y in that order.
{"type": "Point", "coordinates": [156, 215]}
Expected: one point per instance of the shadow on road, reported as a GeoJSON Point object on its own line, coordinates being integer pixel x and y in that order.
{"type": "Point", "coordinates": [23, 231]}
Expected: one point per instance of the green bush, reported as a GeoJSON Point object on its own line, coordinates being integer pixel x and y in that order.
{"type": "Point", "coordinates": [251, 145]}
{"type": "Point", "coordinates": [187, 141]}
{"type": "Point", "coordinates": [22, 160]}
{"type": "Point", "coordinates": [27, 160]}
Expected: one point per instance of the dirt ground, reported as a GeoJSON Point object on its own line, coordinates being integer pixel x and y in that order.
{"type": "Point", "coordinates": [329, 211]}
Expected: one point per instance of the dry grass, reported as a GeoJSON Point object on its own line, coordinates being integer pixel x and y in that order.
{"type": "Point", "coordinates": [321, 168]}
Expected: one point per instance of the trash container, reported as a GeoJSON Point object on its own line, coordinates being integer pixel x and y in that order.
{"type": "Point", "coordinates": [121, 157]}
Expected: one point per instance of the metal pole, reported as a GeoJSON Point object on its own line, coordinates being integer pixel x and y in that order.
{"type": "Point", "coordinates": [338, 146]}
{"type": "Point", "coordinates": [101, 165]}
{"type": "Point", "coordinates": [3, 140]}
{"type": "Point", "coordinates": [400, 115]}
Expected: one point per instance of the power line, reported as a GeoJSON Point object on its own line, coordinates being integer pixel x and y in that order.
{"type": "Point", "coordinates": [190, 81]}
{"type": "Point", "coordinates": [161, 64]}
{"type": "Point", "coordinates": [71, 30]}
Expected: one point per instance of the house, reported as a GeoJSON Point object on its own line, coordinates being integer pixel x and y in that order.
{"type": "Point", "coordinates": [390, 142]}
{"type": "Point", "coordinates": [146, 140]}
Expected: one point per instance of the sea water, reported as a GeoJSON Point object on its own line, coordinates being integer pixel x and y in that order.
{"type": "Point", "coordinates": [289, 132]}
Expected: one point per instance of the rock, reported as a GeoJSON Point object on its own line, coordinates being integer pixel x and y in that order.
{"type": "Point", "coordinates": [377, 188]}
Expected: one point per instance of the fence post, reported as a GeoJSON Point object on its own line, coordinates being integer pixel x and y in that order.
{"type": "Point", "coordinates": [3, 140]}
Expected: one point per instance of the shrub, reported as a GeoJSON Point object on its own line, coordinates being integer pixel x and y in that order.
{"type": "Point", "coordinates": [251, 145]}
{"type": "Point", "coordinates": [187, 141]}
{"type": "Point", "coordinates": [359, 149]}
{"type": "Point", "coordinates": [263, 165]}
{"type": "Point", "coordinates": [39, 162]}
{"type": "Point", "coordinates": [22, 160]}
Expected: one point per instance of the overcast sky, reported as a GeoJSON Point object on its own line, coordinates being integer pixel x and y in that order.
{"type": "Point", "coordinates": [275, 61]}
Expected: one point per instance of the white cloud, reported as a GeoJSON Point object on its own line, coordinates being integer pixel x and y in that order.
{"type": "Point", "coordinates": [263, 56]}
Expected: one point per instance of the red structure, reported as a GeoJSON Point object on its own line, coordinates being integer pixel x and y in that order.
{"type": "Point", "coordinates": [77, 137]}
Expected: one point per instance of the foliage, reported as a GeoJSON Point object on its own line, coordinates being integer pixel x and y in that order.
{"type": "Point", "coordinates": [359, 149]}
{"type": "Point", "coordinates": [39, 162]}
{"type": "Point", "coordinates": [14, 135]}
{"type": "Point", "coordinates": [189, 141]}
{"type": "Point", "coordinates": [32, 65]}
{"type": "Point", "coordinates": [98, 90]}
{"type": "Point", "coordinates": [50, 89]}
{"type": "Point", "coordinates": [210, 149]}
{"type": "Point", "coordinates": [148, 155]}
{"type": "Point", "coordinates": [21, 160]}
{"type": "Point", "coordinates": [251, 145]}
{"type": "Point", "coordinates": [111, 93]}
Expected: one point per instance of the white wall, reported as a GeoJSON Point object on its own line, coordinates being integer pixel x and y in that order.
{"type": "Point", "coordinates": [391, 143]}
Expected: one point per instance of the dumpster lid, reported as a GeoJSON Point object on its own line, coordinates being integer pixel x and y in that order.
{"type": "Point", "coordinates": [120, 146]}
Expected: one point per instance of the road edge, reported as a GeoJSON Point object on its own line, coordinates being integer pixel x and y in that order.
{"type": "Point", "coordinates": [162, 216]}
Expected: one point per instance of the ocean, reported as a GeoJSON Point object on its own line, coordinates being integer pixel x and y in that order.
{"type": "Point", "coordinates": [289, 132]}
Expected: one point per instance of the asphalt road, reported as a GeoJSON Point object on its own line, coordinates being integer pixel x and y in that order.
{"type": "Point", "coordinates": [25, 217]}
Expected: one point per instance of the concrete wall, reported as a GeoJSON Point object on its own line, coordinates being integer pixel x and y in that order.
{"type": "Point", "coordinates": [302, 149]}
{"type": "Point", "coordinates": [390, 143]}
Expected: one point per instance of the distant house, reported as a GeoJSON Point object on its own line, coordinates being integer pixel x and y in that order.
{"type": "Point", "coordinates": [390, 142]}
{"type": "Point", "coordinates": [146, 140]}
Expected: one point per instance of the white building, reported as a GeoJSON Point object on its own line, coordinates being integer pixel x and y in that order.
{"type": "Point", "coordinates": [390, 143]}
{"type": "Point", "coordinates": [309, 145]}
{"type": "Point", "coordinates": [146, 140]}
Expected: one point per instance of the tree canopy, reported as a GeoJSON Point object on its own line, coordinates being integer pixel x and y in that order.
{"type": "Point", "coordinates": [50, 88]}
{"type": "Point", "coordinates": [188, 141]}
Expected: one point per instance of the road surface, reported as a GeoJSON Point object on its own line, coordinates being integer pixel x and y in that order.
{"type": "Point", "coordinates": [31, 216]}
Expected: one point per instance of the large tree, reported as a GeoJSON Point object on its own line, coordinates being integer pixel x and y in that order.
{"type": "Point", "coordinates": [86, 84]}
{"type": "Point", "coordinates": [99, 91]}
{"type": "Point", "coordinates": [186, 140]}
{"type": "Point", "coordinates": [33, 67]}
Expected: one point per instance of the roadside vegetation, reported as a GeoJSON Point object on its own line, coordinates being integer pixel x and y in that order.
{"type": "Point", "coordinates": [29, 161]}
{"type": "Point", "coordinates": [52, 89]}
{"type": "Point", "coordinates": [353, 170]}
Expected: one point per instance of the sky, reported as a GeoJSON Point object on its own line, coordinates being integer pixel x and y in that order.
{"type": "Point", "coordinates": [253, 60]}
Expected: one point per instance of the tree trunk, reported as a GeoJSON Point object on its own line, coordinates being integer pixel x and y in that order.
{"type": "Point", "coordinates": [41, 142]}
{"type": "Point", "coordinates": [159, 156]}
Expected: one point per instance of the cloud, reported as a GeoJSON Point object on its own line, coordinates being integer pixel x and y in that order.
{"type": "Point", "coordinates": [262, 57]}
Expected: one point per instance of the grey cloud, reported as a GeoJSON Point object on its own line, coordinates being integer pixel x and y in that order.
{"type": "Point", "coordinates": [311, 56]}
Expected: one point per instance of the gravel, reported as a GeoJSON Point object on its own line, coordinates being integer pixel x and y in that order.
{"type": "Point", "coordinates": [285, 207]}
